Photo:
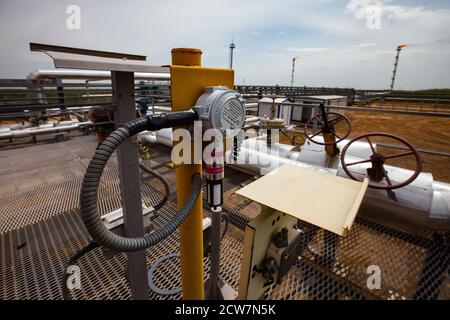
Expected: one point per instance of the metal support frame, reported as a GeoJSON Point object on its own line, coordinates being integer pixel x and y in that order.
{"type": "Point", "coordinates": [394, 72]}
{"type": "Point", "coordinates": [214, 292]}
{"type": "Point", "coordinates": [61, 99]}
{"type": "Point", "coordinates": [128, 159]}
{"type": "Point", "coordinates": [122, 67]}
{"type": "Point", "coordinates": [232, 47]}
{"type": "Point", "coordinates": [292, 76]}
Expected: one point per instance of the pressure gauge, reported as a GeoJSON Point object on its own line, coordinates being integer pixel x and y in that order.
{"type": "Point", "coordinates": [222, 109]}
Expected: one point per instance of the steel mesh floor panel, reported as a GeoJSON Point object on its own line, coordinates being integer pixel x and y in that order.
{"type": "Point", "coordinates": [40, 230]}
{"type": "Point", "coordinates": [52, 184]}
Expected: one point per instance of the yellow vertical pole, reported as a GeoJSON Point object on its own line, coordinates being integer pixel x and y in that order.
{"type": "Point", "coordinates": [191, 231]}
{"type": "Point", "coordinates": [188, 80]}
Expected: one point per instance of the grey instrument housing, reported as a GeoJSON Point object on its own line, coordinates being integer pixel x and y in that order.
{"type": "Point", "coordinates": [222, 109]}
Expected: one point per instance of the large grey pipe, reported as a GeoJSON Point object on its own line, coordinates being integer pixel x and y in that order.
{"type": "Point", "coordinates": [89, 190]}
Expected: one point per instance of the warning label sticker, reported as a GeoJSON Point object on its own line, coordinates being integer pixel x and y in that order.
{"type": "Point", "coordinates": [232, 115]}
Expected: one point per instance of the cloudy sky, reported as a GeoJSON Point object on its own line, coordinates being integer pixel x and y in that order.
{"type": "Point", "coordinates": [340, 43]}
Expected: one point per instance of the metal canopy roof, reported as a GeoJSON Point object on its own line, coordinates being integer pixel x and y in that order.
{"type": "Point", "coordinates": [76, 58]}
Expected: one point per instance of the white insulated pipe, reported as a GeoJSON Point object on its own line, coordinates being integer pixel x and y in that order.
{"type": "Point", "coordinates": [9, 134]}
{"type": "Point", "coordinates": [406, 213]}
{"type": "Point", "coordinates": [92, 75]}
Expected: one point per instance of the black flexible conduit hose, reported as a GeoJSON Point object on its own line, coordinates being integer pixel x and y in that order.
{"type": "Point", "coordinates": [163, 180]}
{"type": "Point", "coordinates": [73, 260]}
{"type": "Point", "coordinates": [88, 203]}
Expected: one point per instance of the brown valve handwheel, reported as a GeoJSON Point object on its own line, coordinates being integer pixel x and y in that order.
{"type": "Point", "coordinates": [377, 174]}
{"type": "Point", "coordinates": [327, 125]}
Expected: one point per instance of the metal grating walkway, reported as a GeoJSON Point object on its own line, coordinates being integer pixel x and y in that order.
{"type": "Point", "coordinates": [40, 229]}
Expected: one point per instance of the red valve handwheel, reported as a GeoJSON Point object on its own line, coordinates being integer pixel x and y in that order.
{"type": "Point", "coordinates": [333, 118]}
{"type": "Point", "coordinates": [377, 173]}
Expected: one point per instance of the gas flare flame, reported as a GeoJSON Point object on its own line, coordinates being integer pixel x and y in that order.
{"type": "Point", "coordinates": [401, 46]}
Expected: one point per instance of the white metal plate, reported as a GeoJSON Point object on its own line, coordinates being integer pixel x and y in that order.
{"type": "Point", "coordinates": [78, 61]}
{"type": "Point", "coordinates": [325, 200]}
